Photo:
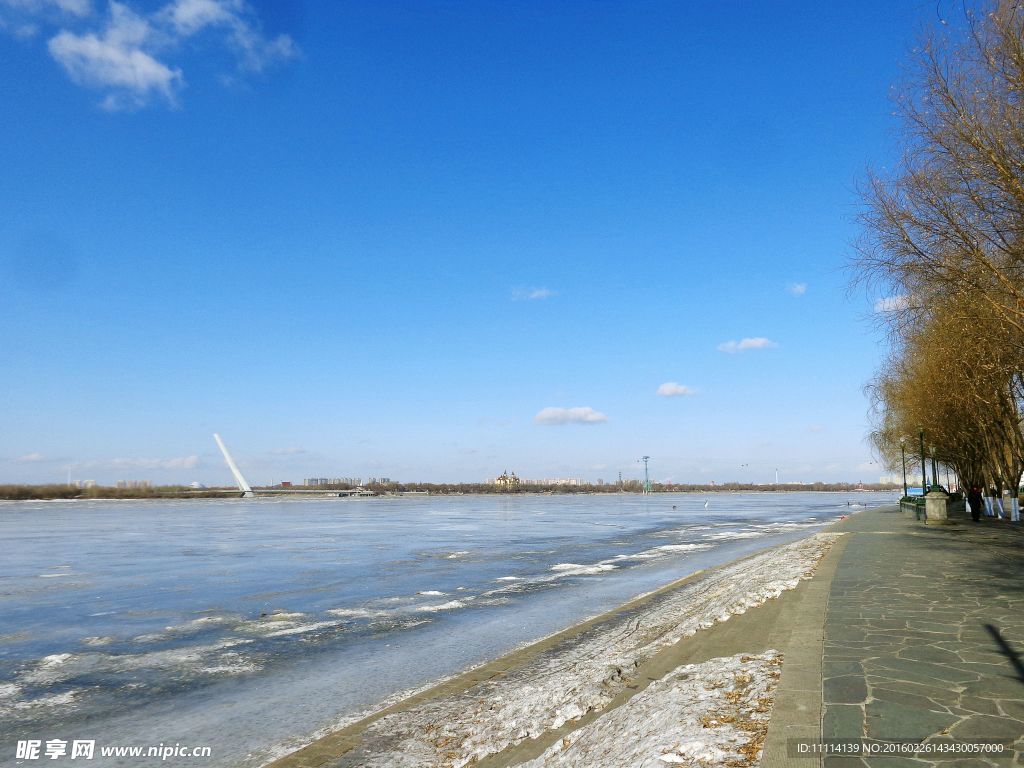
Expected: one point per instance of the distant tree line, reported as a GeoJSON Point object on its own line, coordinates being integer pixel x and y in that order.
{"type": "Point", "coordinates": [24, 492]}
{"type": "Point", "coordinates": [627, 486]}
{"type": "Point", "coordinates": [59, 491]}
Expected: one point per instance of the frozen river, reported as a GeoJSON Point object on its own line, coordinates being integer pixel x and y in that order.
{"type": "Point", "coordinates": [251, 625]}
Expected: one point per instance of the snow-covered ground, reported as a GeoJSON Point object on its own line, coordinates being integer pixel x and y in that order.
{"type": "Point", "coordinates": [585, 672]}
{"type": "Point", "coordinates": [710, 714]}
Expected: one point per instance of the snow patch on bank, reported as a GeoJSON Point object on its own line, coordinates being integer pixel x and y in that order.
{"type": "Point", "coordinates": [710, 714]}
{"type": "Point", "coordinates": [582, 673]}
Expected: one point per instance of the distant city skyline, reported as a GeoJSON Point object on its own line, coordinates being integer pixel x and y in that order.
{"type": "Point", "coordinates": [631, 473]}
{"type": "Point", "coordinates": [435, 241]}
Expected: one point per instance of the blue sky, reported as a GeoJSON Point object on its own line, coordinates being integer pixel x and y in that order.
{"type": "Point", "coordinates": [437, 240]}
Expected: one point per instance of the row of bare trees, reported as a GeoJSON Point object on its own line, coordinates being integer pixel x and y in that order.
{"type": "Point", "coordinates": [944, 242]}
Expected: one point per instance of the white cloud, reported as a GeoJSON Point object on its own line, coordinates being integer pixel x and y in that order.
{"type": "Point", "coordinates": [127, 57]}
{"type": "Point", "coordinates": [892, 303]}
{"type": "Point", "coordinates": [288, 451]}
{"type": "Point", "coordinates": [23, 31]}
{"type": "Point", "coordinates": [30, 458]}
{"type": "Point", "coordinates": [579, 415]}
{"type": "Point", "coordinates": [116, 62]}
{"type": "Point", "coordinates": [797, 289]}
{"type": "Point", "coordinates": [190, 16]}
{"type": "Point", "coordinates": [255, 53]}
{"type": "Point", "coordinates": [182, 462]}
{"type": "Point", "coordinates": [531, 294]}
{"type": "Point", "coordinates": [672, 389]}
{"type": "Point", "coordinates": [23, 19]}
{"type": "Point", "coordinates": [758, 342]}
{"type": "Point", "coordinates": [72, 7]}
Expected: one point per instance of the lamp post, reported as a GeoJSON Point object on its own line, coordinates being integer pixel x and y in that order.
{"type": "Point", "coordinates": [935, 473]}
{"type": "Point", "coordinates": [924, 467]}
{"type": "Point", "coordinates": [903, 454]}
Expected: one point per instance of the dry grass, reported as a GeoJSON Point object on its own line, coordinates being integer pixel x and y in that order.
{"type": "Point", "coordinates": [735, 716]}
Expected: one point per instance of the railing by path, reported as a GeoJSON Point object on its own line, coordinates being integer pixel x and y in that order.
{"type": "Point", "coordinates": [914, 506]}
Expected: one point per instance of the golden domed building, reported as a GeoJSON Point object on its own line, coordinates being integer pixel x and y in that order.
{"type": "Point", "coordinates": [507, 482]}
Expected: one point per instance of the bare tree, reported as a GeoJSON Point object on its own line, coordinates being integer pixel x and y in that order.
{"type": "Point", "coordinates": [951, 217]}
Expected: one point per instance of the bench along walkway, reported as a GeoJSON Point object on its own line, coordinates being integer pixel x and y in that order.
{"type": "Point", "coordinates": [924, 636]}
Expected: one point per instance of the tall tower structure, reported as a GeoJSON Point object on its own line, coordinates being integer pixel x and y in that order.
{"type": "Point", "coordinates": [647, 479]}
{"type": "Point", "coordinates": [243, 486]}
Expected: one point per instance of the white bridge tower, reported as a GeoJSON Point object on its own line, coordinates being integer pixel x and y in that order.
{"type": "Point", "coordinates": [243, 486]}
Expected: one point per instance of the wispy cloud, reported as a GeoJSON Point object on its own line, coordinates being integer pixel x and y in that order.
{"type": "Point", "coordinates": [797, 289]}
{"type": "Point", "coordinates": [36, 7]}
{"type": "Point", "coordinates": [579, 415]}
{"type": "Point", "coordinates": [892, 303]}
{"type": "Point", "coordinates": [126, 54]}
{"type": "Point", "coordinates": [672, 389]}
{"type": "Point", "coordinates": [115, 61]}
{"type": "Point", "coordinates": [288, 451]}
{"type": "Point", "coordinates": [182, 462]}
{"type": "Point", "coordinates": [30, 458]}
{"type": "Point", "coordinates": [757, 342]}
{"type": "Point", "coordinates": [532, 294]}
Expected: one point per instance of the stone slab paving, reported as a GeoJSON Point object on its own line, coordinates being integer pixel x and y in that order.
{"type": "Point", "coordinates": [924, 638]}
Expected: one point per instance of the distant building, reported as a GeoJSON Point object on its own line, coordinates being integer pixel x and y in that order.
{"type": "Point", "coordinates": [507, 482]}
{"type": "Point", "coordinates": [318, 482]}
{"type": "Point", "coordinates": [125, 484]}
{"type": "Point", "coordinates": [576, 481]}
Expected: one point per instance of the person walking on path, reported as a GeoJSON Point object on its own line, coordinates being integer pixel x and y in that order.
{"type": "Point", "coordinates": [975, 502]}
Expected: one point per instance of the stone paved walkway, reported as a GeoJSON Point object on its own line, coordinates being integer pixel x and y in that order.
{"type": "Point", "coordinates": [924, 638]}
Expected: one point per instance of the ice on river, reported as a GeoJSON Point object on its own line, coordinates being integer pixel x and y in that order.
{"type": "Point", "coordinates": [583, 673]}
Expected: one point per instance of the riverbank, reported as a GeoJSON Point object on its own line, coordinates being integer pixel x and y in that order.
{"type": "Point", "coordinates": [879, 630]}
{"type": "Point", "coordinates": [583, 696]}
{"type": "Point", "coordinates": [58, 492]}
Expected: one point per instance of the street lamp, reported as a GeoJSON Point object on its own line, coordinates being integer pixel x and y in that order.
{"type": "Point", "coordinates": [935, 473]}
{"type": "Point", "coordinates": [924, 466]}
{"type": "Point", "coordinates": [903, 453]}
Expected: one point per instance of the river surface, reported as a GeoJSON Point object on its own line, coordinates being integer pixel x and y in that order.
{"type": "Point", "coordinates": [250, 626]}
